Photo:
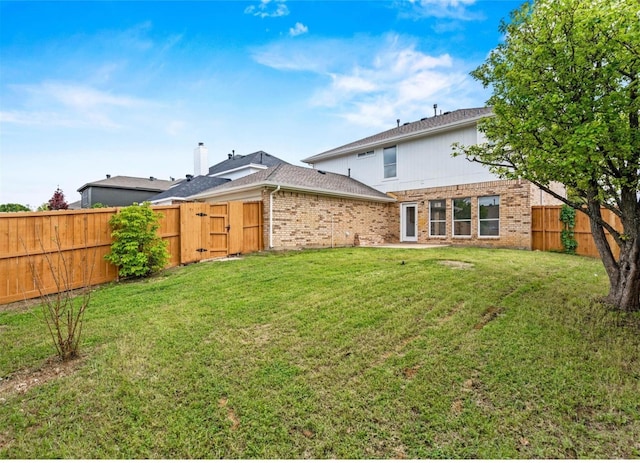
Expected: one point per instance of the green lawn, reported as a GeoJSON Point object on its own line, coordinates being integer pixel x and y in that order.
{"type": "Point", "coordinates": [344, 353]}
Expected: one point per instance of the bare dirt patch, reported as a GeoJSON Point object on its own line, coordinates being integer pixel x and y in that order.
{"type": "Point", "coordinates": [20, 306]}
{"type": "Point", "coordinates": [490, 314]}
{"type": "Point", "coordinates": [409, 373]}
{"type": "Point", "coordinates": [22, 381]}
{"type": "Point", "coordinates": [396, 351]}
{"type": "Point", "coordinates": [456, 264]}
{"type": "Point", "coordinates": [231, 415]}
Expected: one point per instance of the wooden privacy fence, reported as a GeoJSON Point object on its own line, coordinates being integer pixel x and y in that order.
{"type": "Point", "coordinates": [60, 250]}
{"type": "Point", "coordinates": [546, 228]}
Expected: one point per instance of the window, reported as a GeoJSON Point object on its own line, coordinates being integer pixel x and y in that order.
{"type": "Point", "coordinates": [389, 160]}
{"type": "Point", "coordinates": [489, 216]}
{"type": "Point", "coordinates": [365, 154]}
{"type": "Point", "coordinates": [437, 218]}
{"type": "Point", "coordinates": [462, 217]}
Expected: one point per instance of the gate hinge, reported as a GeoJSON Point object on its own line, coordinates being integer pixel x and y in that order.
{"type": "Point", "coordinates": [201, 214]}
{"type": "Point", "coordinates": [201, 250]}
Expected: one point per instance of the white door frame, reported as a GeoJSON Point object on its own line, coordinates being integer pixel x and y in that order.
{"type": "Point", "coordinates": [405, 226]}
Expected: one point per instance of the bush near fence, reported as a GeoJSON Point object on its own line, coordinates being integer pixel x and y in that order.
{"type": "Point", "coordinates": [28, 241]}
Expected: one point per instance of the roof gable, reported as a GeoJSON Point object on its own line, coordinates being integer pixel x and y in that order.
{"type": "Point", "coordinates": [298, 178]}
{"type": "Point", "coordinates": [131, 183]}
{"type": "Point", "coordinates": [190, 186]}
{"type": "Point", "coordinates": [424, 126]}
{"type": "Point", "coordinates": [238, 161]}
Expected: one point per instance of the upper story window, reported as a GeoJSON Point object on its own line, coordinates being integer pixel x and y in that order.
{"type": "Point", "coordinates": [489, 216]}
{"type": "Point", "coordinates": [389, 158]}
{"type": "Point", "coordinates": [365, 154]}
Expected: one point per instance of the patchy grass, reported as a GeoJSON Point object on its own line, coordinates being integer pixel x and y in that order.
{"type": "Point", "coordinates": [346, 353]}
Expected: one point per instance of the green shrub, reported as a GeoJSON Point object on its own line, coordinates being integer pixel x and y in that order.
{"type": "Point", "coordinates": [137, 250]}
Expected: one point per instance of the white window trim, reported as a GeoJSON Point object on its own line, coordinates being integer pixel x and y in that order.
{"type": "Point", "coordinates": [488, 237]}
{"type": "Point", "coordinates": [366, 154]}
{"type": "Point", "coordinates": [453, 219]}
{"type": "Point", "coordinates": [383, 164]}
{"type": "Point", "coordinates": [439, 221]}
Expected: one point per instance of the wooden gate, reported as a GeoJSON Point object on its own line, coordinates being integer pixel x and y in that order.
{"type": "Point", "coordinates": [194, 231]}
{"type": "Point", "coordinates": [219, 230]}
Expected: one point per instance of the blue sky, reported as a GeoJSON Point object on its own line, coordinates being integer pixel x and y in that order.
{"type": "Point", "coordinates": [130, 88]}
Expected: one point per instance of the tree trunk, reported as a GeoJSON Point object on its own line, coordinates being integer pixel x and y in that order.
{"type": "Point", "coordinates": [624, 273]}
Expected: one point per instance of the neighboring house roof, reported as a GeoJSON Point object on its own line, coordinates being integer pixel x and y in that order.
{"type": "Point", "coordinates": [408, 130]}
{"type": "Point", "coordinates": [238, 161]}
{"type": "Point", "coordinates": [304, 179]}
{"type": "Point", "coordinates": [75, 205]}
{"type": "Point", "coordinates": [189, 187]}
{"type": "Point", "coordinates": [130, 183]}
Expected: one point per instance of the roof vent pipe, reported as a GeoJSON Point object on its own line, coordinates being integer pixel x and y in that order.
{"type": "Point", "coordinates": [398, 122]}
{"type": "Point", "coordinates": [108, 175]}
{"type": "Point", "coordinates": [435, 110]}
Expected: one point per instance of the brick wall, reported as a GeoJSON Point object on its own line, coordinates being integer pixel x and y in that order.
{"type": "Point", "coordinates": [515, 213]}
{"type": "Point", "coordinates": [540, 198]}
{"type": "Point", "coordinates": [303, 220]}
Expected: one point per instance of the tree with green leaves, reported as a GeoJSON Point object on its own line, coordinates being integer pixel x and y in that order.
{"type": "Point", "coordinates": [13, 207]}
{"type": "Point", "coordinates": [566, 101]}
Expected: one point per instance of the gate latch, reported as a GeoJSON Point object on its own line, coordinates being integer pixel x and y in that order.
{"type": "Point", "coordinates": [201, 250]}
{"type": "Point", "coordinates": [201, 214]}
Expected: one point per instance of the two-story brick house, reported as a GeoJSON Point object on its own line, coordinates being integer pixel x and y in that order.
{"type": "Point", "coordinates": [440, 199]}
{"type": "Point", "coordinates": [416, 192]}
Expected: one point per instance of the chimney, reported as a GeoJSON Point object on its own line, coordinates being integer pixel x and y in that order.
{"type": "Point", "coordinates": [200, 160]}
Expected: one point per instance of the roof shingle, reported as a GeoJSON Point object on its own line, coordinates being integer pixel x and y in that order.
{"type": "Point", "coordinates": [411, 128]}
{"type": "Point", "coordinates": [237, 161]}
{"type": "Point", "coordinates": [293, 177]}
{"type": "Point", "coordinates": [189, 187]}
{"type": "Point", "coordinates": [131, 183]}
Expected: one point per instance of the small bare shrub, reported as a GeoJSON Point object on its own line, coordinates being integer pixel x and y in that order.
{"type": "Point", "coordinates": [63, 309]}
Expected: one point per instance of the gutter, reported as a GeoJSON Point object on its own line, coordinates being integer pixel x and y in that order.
{"type": "Point", "coordinates": [271, 216]}
{"type": "Point", "coordinates": [394, 139]}
{"type": "Point", "coordinates": [302, 189]}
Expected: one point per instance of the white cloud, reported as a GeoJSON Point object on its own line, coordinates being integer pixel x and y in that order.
{"type": "Point", "coordinates": [175, 128]}
{"type": "Point", "coordinates": [71, 105]}
{"type": "Point", "coordinates": [268, 9]}
{"type": "Point", "coordinates": [313, 54]}
{"type": "Point", "coordinates": [449, 9]}
{"type": "Point", "coordinates": [397, 81]}
{"type": "Point", "coordinates": [375, 80]}
{"type": "Point", "coordinates": [298, 29]}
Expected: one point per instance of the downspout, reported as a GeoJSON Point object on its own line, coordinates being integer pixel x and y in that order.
{"type": "Point", "coordinates": [271, 216]}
